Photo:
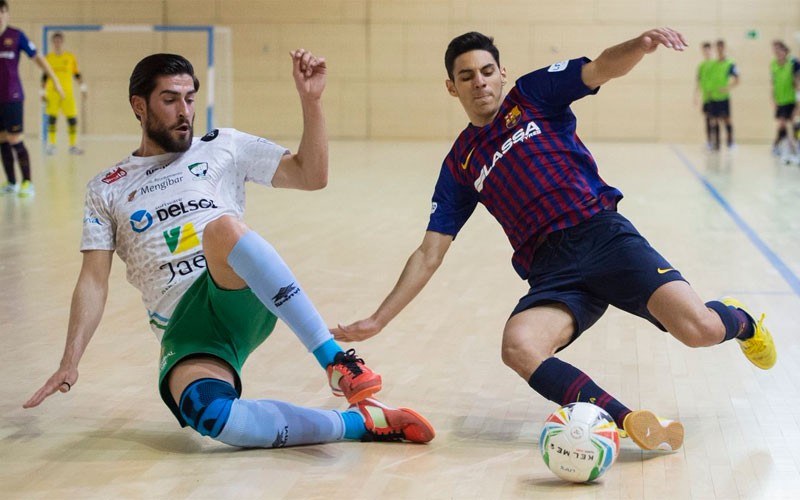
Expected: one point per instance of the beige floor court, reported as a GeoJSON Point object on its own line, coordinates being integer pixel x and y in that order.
{"type": "Point", "coordinates": [111, 437]}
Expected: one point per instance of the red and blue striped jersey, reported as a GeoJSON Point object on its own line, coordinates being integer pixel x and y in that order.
{"type": "Point", "coordinates": [12, 42]}
{"type": "Point", "coordinates": [527, 167]}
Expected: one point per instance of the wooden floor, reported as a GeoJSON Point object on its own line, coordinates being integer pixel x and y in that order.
{"type": "Point", "coordinates": [730, 222]}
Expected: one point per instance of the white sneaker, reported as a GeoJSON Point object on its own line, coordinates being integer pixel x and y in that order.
{"type": "Point", "coordinates": [75, 150]}
{"type": "Point", "coordinates": [50, 149]}
{"type": "Point", "coordinates": [8, 188]}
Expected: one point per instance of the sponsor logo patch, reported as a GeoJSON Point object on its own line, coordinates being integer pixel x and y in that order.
{"type": "Point", "coordinates": [285, 294]}
{"type": "Point", "coordinates": [114, 175]}
{"type": "Point", "coordinates": [141, 220]}
{"type": "Point", "coordinates": [198, 170]}
{"type": "Point", "coordinates": [181, 238]}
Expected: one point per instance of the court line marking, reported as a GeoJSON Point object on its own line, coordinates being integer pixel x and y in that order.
{"type": "Point", "coordinates": [772, 257]}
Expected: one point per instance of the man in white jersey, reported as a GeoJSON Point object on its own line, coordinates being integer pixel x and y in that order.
{"type": "Point", "coordinates": [213, 288]}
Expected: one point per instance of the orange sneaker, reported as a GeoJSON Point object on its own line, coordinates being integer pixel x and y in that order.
{"type": "Point", "coordinates": [349, 377]}
{"type": "Point", "coordinates": [650, 432]}
{"type": "Point", "coordinates": [385, 423]}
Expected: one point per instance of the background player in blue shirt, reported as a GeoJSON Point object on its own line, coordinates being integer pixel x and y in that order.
{"type": "Point", "coordinates": [521, 158]}
{"type": "Point", "coordinates": [12, 42]}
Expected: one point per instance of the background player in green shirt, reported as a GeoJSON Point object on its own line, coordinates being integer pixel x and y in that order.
{"type": "Point", "coordinates": [702, 89]}
{"type": "Point", "coordinates": [723, 76]}
{"type": "Point", "coordinates": [785, 73]}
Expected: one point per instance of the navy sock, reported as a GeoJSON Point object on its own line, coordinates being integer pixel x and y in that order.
{"type": "Point", "coordinates": [562, 383]}
{"type": "Point", "coordinates": [738, 325]}
{"type": "Point", "coordinates": [24, 160]}
{"type": "Point", "coordinates": [715, 135]}
{"type": "Point", "coordinates": [8, 162]}
{"type": "Point", "coordinates": [781, 136]}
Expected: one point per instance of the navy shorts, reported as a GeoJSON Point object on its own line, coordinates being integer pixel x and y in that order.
{"type": "Point", "coordinates": [785, 111]}
{"type": "Point", "coordinates": [720, 109]}
{"type": "Point", "coordinates": [11, 117]}
{"type": "Point", "coordinates": [600, 262]}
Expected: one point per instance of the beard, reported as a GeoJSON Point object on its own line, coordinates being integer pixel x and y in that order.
{"type": "Point", "coordinates": [161, 134]}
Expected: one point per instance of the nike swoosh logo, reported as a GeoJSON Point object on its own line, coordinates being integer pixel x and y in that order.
{"type": "Point", "coordinates": [664, 271]}
{"type": "Point", "coordinates": [464, 165]}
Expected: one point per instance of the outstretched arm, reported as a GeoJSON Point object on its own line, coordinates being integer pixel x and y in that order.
{"type": "Point", "coordinates": [45, 66]}
{"type": "Point", "coordinates": [418, 271]}
{"type": "Point", "coordinates": [618, 60]}
{"type": "Point", "coordinates": [308, 168]}
{"type": "Point", "coordinates": [88, 303]}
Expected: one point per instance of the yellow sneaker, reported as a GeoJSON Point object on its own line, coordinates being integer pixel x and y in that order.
{"type": "Point", "coordinates": [760, 348]}
{"type": "Point", "coordinates": [650, 432]}
{"type": "Point", "coordinates": [26, 189]}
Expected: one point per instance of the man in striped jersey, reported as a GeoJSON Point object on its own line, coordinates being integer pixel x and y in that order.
{"type": "Point", "coordinates": [521, 158]}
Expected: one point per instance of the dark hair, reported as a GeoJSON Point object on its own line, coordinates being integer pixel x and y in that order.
{"type": "Point", "coordinates": [720, 43]}
{"type": "Point", "coordinates": [4, 5]}
{"type": "Point", "coordinates": [468, 42]}
{"type": "Point", "coordinates": [706, 45]}
{"type": "Point", "coordinates": [781, 45]}
{"type": "Point", "coordinates": [56, 34]}
{"type": "Point", "coordinates": [143, 78]}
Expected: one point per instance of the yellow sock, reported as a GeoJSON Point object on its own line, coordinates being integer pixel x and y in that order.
{"type": "Point", "coordinates": [72, 132]}
{"type": "Point", "coordinates": [51, 134]}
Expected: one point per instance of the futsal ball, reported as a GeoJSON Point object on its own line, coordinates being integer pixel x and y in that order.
{"type": "Point", "coordinates": [579, 442]}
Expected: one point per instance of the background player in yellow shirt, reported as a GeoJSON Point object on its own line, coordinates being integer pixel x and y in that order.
{"type": "Point", "coordinates": [65, 67]}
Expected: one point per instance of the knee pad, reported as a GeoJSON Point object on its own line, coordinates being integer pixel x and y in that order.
{"type": "Point", "coordinates": [206, 404]}
{"type": "Point", "coordinates": [72, 121]}
{"type": "Point", "coordinates": [51, 120]}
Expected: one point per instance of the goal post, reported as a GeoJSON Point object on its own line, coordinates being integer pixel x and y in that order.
{"type": "Point", "coordinates": [216, 87]}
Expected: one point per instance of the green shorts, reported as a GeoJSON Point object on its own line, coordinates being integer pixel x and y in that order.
{"type": "Point", "coordinates": [228, 324]}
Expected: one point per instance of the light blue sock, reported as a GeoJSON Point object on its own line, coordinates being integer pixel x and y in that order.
{"type": "Point", "coordinates": [274, 424]}
{"type": "Point", "coordinates": [326, 352]}
{"type": "Point", "coordinates": [354, 427]}
{"type": "Point", "coordinates": [270, 279]}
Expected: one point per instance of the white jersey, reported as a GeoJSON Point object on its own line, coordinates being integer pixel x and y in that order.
{"type": "Point", "coordinates": [152, 210]}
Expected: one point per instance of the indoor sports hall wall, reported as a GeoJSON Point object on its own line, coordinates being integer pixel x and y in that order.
{"type": "Point", "coordinates": [385, 59]}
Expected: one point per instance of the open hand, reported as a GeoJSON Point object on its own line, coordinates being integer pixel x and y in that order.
{"type": "Point", "coordinates": [358, 331]}
{"type": "Point", "coordinates": [667, 37]}
{"type": "Point", "coordinates": [62, 381]}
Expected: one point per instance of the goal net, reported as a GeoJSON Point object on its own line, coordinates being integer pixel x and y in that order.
{"type": "Point", "coordinates": [106, 56]}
